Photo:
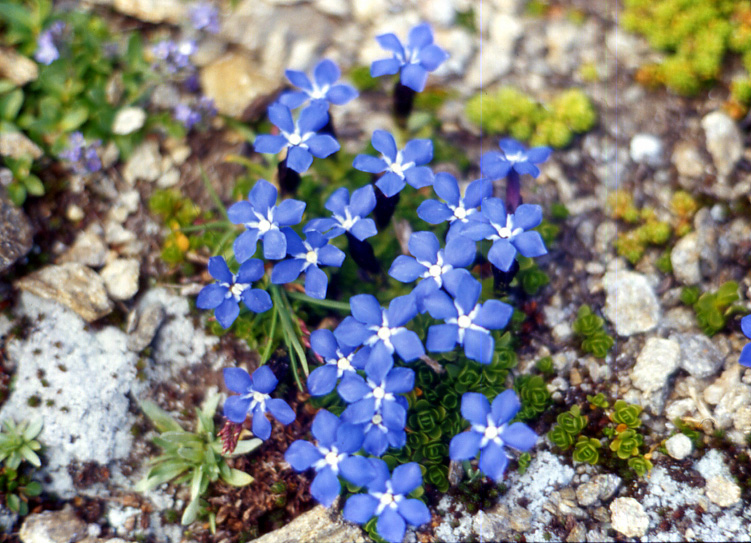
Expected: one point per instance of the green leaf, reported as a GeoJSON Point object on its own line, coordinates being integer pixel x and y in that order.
{"type": "Point", "coordinates": [191, 454]}
{"type": "Point", "coordinates": [161, 474]}
{"type": "Point", "coordinates": [33, 428]}
{"type": "Point", "coordinates": [34, 488]}
{"type": "Point", "coordinates": [30, 456]}
{"type": "Point", "coordinates": [161, 419]}
{"type": "Point", "coordinates": [34, 185]}
{"type": "Point", "coordinates": [245, 446]}
{"type": "Point", "coordinates": [206, 414]}
{"type": "Point", "coordinates": [17, 193]}
{"type": "Point", "coordinates": [190, 513]}
{"type": "Point", "coordinates": [238, 478]}
{"type": "Point", "coordinates": [10, 104]}
{"type": "Point", "coordinates": [13, 502]}
{"type": "Point", "coordinates": [73, 119]}
{"type": "Point", "coordinates": [16, 15]}
{"type": "Point", "coordinates": [181, 438]}
{"type": "Point", "coordinates": [195, 484]}
{"type": "Point", "coordinates": [6, 85]}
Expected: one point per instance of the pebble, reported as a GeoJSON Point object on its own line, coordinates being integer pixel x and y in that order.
{"type": "Point", "coordinates": [17, 145]}
{"type": "Point", "coordinates": [153, 11]}
{"type": "Point", "coordinates": [685, 259]}
{"type": "Point", "coordinates": [73, 285]}
{"type": "Point", "coordinates": [53, 527]}
{"type": "Point", "coordinates": [88, 248]}
{"type": "Point", "coordinates": [628, 517]}
{"type": "Point", "coordinates": [699, 356]}
{"type": "Point", "coordinates": [145, 163]}
{"type": "Point", "coordinates": [170, 178]}
{"type": "Point", "coordinates": [630, 305]}
{"type": "Point", "coordinates": [722, 491]}
{"type": "Point", "coordinates": [646, 149]}
{"type": "Point", "coordinates": [121, 278]}
{"type": "Point", "coordinates": [128, 120]}
{"type": "Point", "coordinates": [687, 160]}
{"type": "Point", "coordinates": [724, 141]}
{"type": "Point", "coordinates": [149, 320]}
{"type": "Point", "coordinates": [679, 446]}
{"type": "Point", "coordinates": [16, 233]}
{"type": "Point", "coordinates": [234, 82]}
{"type": "Point", "coordinates": [17, 68]}
{"type": "Point", "coordinates": [316, 525]}
{"type": "Point", "coordinates": [74, 213]}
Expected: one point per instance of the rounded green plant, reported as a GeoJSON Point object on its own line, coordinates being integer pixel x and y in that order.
{"type": "Point", "coordinates": [626, 413]}
{"type": "Point", "coordinates": [587, 450]}
{"type": "Point", "coordinates": [572, 421]}
{"type": "Point", "coordinates": [626, 444]}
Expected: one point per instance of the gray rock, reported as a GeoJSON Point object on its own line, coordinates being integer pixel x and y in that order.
{"type": "Point", "coordinates": [724, 141]}
{"type": "Point", "coordinates": [628, 517]}
{"type": "Point", "coordinates": [722, 491]}
{"type": "Point", "coordinates": [71, 284]}
{"type": "Point", "coordinates": [562, 39]}
{"type": "Point", "coordinates": [17, 68]}
{"type": "Point", "coordinates": [88, 248]}
{"type": "Point", "coordinates": [707, 240]}
{"type": "Point", "coordinates": [699, 356]}
{"type": "Point", "coordinates": [149, 320]}
{"type": "Point", "coordinates": [685, 259]}
{"type": "Point", "coordinates": [16, 145]}
{"type": "Point", "coordinates": [121, 278]}
{"type": "Point", "coordinates": [145, 163]}
{"type": "Point", "coordinates": [630, 305]}
{"type": "Point", "coordinates": [646, 149]}
{"type": "Point", "coordinates": [53, 527]}
{"type": "Point", "coordinates": [128, 120]}
{"type": "Point", "coordinates": [687, 160]}
{"type": "Point", "coordinates": [234, 82]}
{"type": "Point", "coordinates": [318, 524]}
{"type": "Point", "coordinates": [153, 11]}
{"type": "Point", "coordinates": [15, 233]}
{"type": "Point", "coordinates": [679, 446]}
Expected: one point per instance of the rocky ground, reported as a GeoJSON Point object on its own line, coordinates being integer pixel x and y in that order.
{"type": "Point", "coordinates": [92, 322]}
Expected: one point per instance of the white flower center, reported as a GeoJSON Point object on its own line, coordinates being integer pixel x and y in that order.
{"type": "Point", "coordinates": [377, 419]}
{"type": "Point", "coordinates": [387, 499]}
{"type": "Point", "coordinates": [464, 321]}
{"type": "Point", "coordinates": [343, 364]}
{"type": "Point", "coordinates": [491, 432]}
{"type": "Point", "coordinates": [348, 221]}
{"type": "Point", "coordinates": [378, 393]}
{"type": "Point", "coordinates": [397, 169]}
{"type": "Point", "coordinates": [264, 226]}
{"type": "Point", "coordinates": [517, 157]}
{"type": "Point", "coordinates": [311, 257]}
{"type": "Point", "coordinates": [259, 397]}
{"type": "Point", "coordinates": [384, 333]}
{"type": "Point", "coordinates": [435, 270]}
{"type": "Point", "coordinates": [332, 458]}
{"type": "Point", "coordinates": [294, 139]}
{"type": "Point", "coordinates": [237, 289]}
{"type": "Point", "coordinates": [460, 213]}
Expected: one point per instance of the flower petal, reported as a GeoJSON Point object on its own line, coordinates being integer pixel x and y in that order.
{"type": "Point", "coordinates": [325, 487]}
{"type": "Point", "coordinates": [237, 380]}
{"type": "Point", "coordinates": [363, 201]}
{"type": "Point", "coordinates": [281, 411]}
{"type": "Point", "coordinates": [365, 308]}
{"type": "Point", "coordinates": [211, 296]}
{"type": "Point", "coordinates": [477, 228]}
{"type": "Point", "coordinates": [299, 159]}
{"type": "Point", "coordinates": [442, 337]}
{"type": "Point", "coordinates": [353, 388]}
{"type": "Point", "coordinates": [293, 99]}
{"type": "Point", "coordinates": [406, 478]}
{"type": "Point", "coordinates": [264, 380]}
{"type": "Point", "coordinates": [262, 196]}
{"type": "Point", "coordinates": [330, 256]}
{"type": "Point", "coordinates": [419, 151]}
{"type": "Point", "coordinates": [316, 283]}
{"type": "Point", "coordinates": [338, 201]}
{"type": "Point", "coordinates": [432, 56]}
{"type": "Point", "coordinates": [391, 526]}
{"type": "Point", "coordinates": [419, 177]}
{"type": "Point", "coordinates": [349, 438]}
{"type": "Point", "coordinates": [376, 441]}
{"type": "Point", "coordinates": [274, 245]}
{"type": "Point", "coordinates": [326, 73]}
{"type": "Point", "coordinates": [227, 312]}
{"type": "Point", "coordinates": [384, 143]}
{"type": "Point", "coordinates": [527, 216]}
{"type": "Point", "coordinates": [440, 306]}
{"type": "Point", "coordinates": [370, 164]}
{"type": "Point", "coordinates": [494, 165]}
{"type": "Point", "coordinates": [406, 269]}
{"type": "Point", "coordinates": [467, 294]}
{"type": "Point", "coordinates": [363, 229]}
{"type": "Point", "coordinates": [386, 66]}
{"type": "Point", "coordinates": [379, 363]}
{"type": "Point", "coordinates": [281, 116]}
{"type": "Point", "coordinates": [408, 345]}
{"type": "Point", "coordinates": [251, 270]}
{"type": "Point", "coordinates": [505, 406]}
{"type": "Point", "coordinates": [464, 446]}
{"type": "Point", "coordinates": [219, 270]}
{"type": "Point", "coordinates": [493, 461]}
{"type": "Point", "coordinates": [323, 145]}
{"type": "Point", "coordinates": [510, 146]}
{"type": "Point", "coordinates": [420, 36]}
{"type": "Point", "coordinates": [324, 343]}
{"type": "Point", "coordinates": [745, 358]}
{"type": "Point", "coordinates": [341, 94]}
{"type": "Point", "coordinates": [261, 426]}
{"type": "Point", "coordinates": [352, 332]}
{"type": "Point", "coordinates": [301, 455]}
{"type": "Point", "coordinates": [360, 508]}
{"type": "Point", "coordinates": [494, 210]}
{"type": "Point", "coordinates": [324, 428]}
{"type": "Point", "coordinates": [746, 326]}
{"type": "Point", "coordinates": [402, 309]}
{"type": "Point", "coordinates": [414, 76]}
{"type": "Point", "coordinates": [313, 118]}
{"type": "Point", "coordinates": [477, 190]}
{"type": "Point", "coordinates": [391, 43]}
{"type": "Point", "coordinates": [530, 244]}
{"type": "Point", "coordinates": [460, 252]}
{"type": "Point", "coordinates": [526, 167]}
{"type": "Point", "coordinates": [244, 245]}
{"type": "Point", "coordinates": [479, 346]}
{"type": "Point", "coordinates": [236, 408]}
{"type": "Point", "coordinates": [415, 512]}
{"type": "Point", "coordinates": [493, 315]}
{"type": "Point", "coordinates": [519, 436]}
{"type": "Point", "coordinates": [538, 154]}
{"type": "Point", "coordinates": [289, 212]}
{"type": "Point", "coordinates": [356, 469]}
{"type": "Point", "coordinates": [241, 212]}
{"type": "Point", "coordinates": [390, 184]}
{"type": "Point", "coordinates": [447, 187]}
{"type": "Point", "coordinates": [502, 254]}
{"type": "Point", "coordinates": [394, 415]}
{"type": "Point", "coordinates": [400, 381]}
{"type": "Point", "coordinates": [433, 211]}
{"type": "Point", "coordinates": [266, 143]}
{"type": "Point", "coordinates": [257, 300]}
{"type": "Point", "coordinates": [424, 246]}
{"type": "Point", "coordinates": [475, 408]}
{"type": "Point", "coordinates": [322, 380]}
{"type": "Point", "coordinates": [298, 79]}
{"type": "Point", "coordinates": [359, 412]}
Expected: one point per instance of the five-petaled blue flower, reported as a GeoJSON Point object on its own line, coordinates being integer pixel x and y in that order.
{"type": "Point", "coordinates": [414, 61]}
{"type": "Point", "coordinates": [205, 16]}
{"type": "Point", "coordinates": [456, 210]}
{"type": "Point", "coordinates": [375, 404]}
{"type": "Point", "coordinates": [466, 322]}
{"type": "Point", "coordinates": [254, 399]}
{"type": "Point", "coordinates": [510, 232]}
{"type": "Point", "coordinates": [224, 296]}
{"type": "Point", "coordinates": [381, 329]}
{"type": "Point", "coordinates": [338, 360]}
{"type": "Point", "coordinates": [745, 358]}
{"type": "Point", "coordinates": [323, 86]}
{"type": "Point", "coordinates": [431, 263]}
{"type": "Point", "coordinates": [387, 500]}
{"type": "Point", "coordinates": [333, 455]}
{"type": "Point", "coordinates": [347, 215]}
{"type": "Point", "coordinates": [262, 219]}
{"type": "Point", "coordinates": [491, 432]}
{"type": "Point", "coordinates": [299, 137]}
{"type": "Point", "coordinates": [514, 156]}
{"type": "Point", "coordinates": [400, 166]}
{"type": "Point", "coordinates": [306, 257]}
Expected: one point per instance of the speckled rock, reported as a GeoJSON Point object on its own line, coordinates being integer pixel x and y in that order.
{"type": "Point", "coordinates": [17, 68]}
{"type": "Point", "coordinates": [699, 356]}
{"type": "Point", "coordinates": [679, 446]}
{"type": "Point", "coordinates": [128, 120]}
{"type": "Point", "coordinates": [17, 145]}
{"type": "Point", "coordinates": [121, 278]}
{"type": "Point", "coordinates": [318, 524]}
{"type": "Point", "coordinates": [685, 259]}
{"type": "Point", "coordinates": [656, 362]}
{"type": "Point", "coordinates": [722, 491]}
{"type": "Point", "coordinates": [153, 11]}
{"type": "Point", "coordinates": [145, 163]}
{"type": "Point", "coordinates": [631, 305]}
{"type": "Point", "coordinates": [15, 233]}
{"type": "Point", "coordinates": [53, 527]}
{"type": "Point", "coordinates": [724, 141]}
{"type": "Point", "coordinates": [687, 160]}
{"type": "Point", "coordinates": [235, 83]}
{"type": "Point", "coordinates": [628, 517]}
{"type": "Point", "coordinates": [88, 248]}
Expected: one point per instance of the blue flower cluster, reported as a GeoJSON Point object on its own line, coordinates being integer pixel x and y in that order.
{"type": "Point", "coordinates": [83, 158]}
{"type": "Point", "coordinates": [202, 111]}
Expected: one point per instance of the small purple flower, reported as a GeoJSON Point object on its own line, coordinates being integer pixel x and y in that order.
{"type": "Point", "coordinates": [745, 358]}
{"type": "Point", "coordinates": [414, 61]}
{"type": "Point", "coordinates": [262, 219]}
{"type": "Point", "coordinates": [47, 51]}
{"type": "Point", "coordinates": [190, 117]}
{"type": "Point", "coordinates": [205, 16]}
{"type": "Point", "coordinates": [299, 137]}
{"type": "Point", "coordinates": [466, 322]}
{"type": "Point", "coordinates": [491, 432]}
{"type": "Point", "coordinates": [339, 360]}
{"type": "Point", "coordinates": [400, 166]}
{"type": "Point", "coordinates": [331, 456]}
{"type": "Point", "coordinates": [387, 500]}
{"type": "Point", "coordinates": [381, 329]}
{"type": "Point", "coordinates": [224, 296]}
{"type": "Point", "coordinates": [83, 158]}
{"type": "Point", "coordinates": [456, 210]}
{"type": "Point", "coordinates": [307, 256]}
{"type": "Point", "coordinates": [375, 403]}
{"type": "Point", "coordinates": [322, 88]}
{"type": "Point", "coordinates": [431, 263]}
{"type": "Point", "coordinates": [514, 156]}
{"type": "Point", "coordinates": [174, 57]}
{"type": "Point", "coordinates": [254, 399]}
{"type": "Point", "coordinates": [347, 215]}
{"type": "Point", "coordinates": [509, 232]}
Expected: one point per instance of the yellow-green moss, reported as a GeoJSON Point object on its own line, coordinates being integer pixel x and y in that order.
{"type": "Point", "coordinates": [511, 112]}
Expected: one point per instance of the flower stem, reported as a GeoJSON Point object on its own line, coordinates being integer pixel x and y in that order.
{"type": "Point", "coordinates": [289, 179]}
{"type": "Point", "coordinates": [213, 194]}
{"type": "Point", "coordinates": [272, 330]}
{"type": "Point", "coordinates": [384, 209]}
{"type": "Point", "coordinates": [218, 225]}
{"type": "Point", "coordinates": [330, 304]}
{"type": "Point", "coordinates": [404, 99]}
{"type": "Point", "coordinates": [294, 348]}
{"type": "Point", "coordinates": [363, 254]}
{"type": "Point", "coordinates": [513, 191]}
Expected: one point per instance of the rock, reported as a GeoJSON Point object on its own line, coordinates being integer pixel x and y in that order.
{"type": "Point", "coordinates": [578, 534]}
{"type": "Point", "coordinates": [722, 491]}
{"type": "Point", "coordinates": [438, 12]}
{"type": "Point", "coordinates": [153, 11]}
{"type": "Point", "coordinates": [88, 248]}
{"type": "Point", "coordinates": [687, 160]}
{"type": "Point", "coordinates": [17, 145]}
{"type": "Point", "coordinates": [170, 178]}
{"type": "Point", "coordinates": [145, 163]}
{"type": "Point", "coordinates": [503, 31]}
{"type": "Point", "coordinates": [318, 524]}
{"type": "Point", "coordinates": [562, 38]}
{"type": "Point", "coordinates": [53, 527]}
{"type": "Point", "coordinates": [16, 68]}
{"type": "Point", "coordinates": [685, 259]}
{"type": "Point", "coordinates": [646, 149]}
{"type": "Point", "coordinates": [679, 446]}
{"type": "Point", "coordinates": [71, 284]}
{"type": "Point", "coordinates": [656, 362]}
{"type": "Point", "coordinates": [15, 233]}
{"type": "Point", "coordinates": [602, 487]}
{"type": "Point", "coordinates": [724, 141]}
{"type": "Point", "coordinates": [337, 8]}
{"type": "Point", "coordinates": [630, 305]}
{"type": "Point", "coordinates": [628, 517]}
{"type": "Point", "coordinates": [235, 83]}
{"type": "Point", "coordinates": [149, 320]}
{"type": "Point", "coordinates": [707, 229]}
{"type": "Point", "coordinates": [699, 356]}
{"type": "Point", "coordinates": [121, 278]}
{"type": "Point", "coordinates": [128, 120]}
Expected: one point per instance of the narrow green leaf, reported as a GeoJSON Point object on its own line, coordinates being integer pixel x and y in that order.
{"type": "Point", "coordinates": [34, 488]}
{"type": "Point", "coordinates": [33, 428]}
{"type": "Point", "coordinates": [238, 478]}
{"type": "Point", "coordinates": [13, 502]}
{"type": "Point", "coordinates": [17, 193]}
{"type": "Point", "coordinates": [190, 513]}
{"type": "Point", "coordinates": [245, 446]}
{"type": "Point", "coordinates": [34, 185]}
{"type": "Point", "coordinates": [181, 438]}
{"type": "Point", "coordinates": [191, 454]}
{"type": "Point", "coordinates": [73, 119]}
{"type": "Point", "coordinates": [161, 419]}
{"type": "Point", "coordinates": [195, 485]}
{"type": "Point", "coordinates": [10, 104]}
{"type": "Point", "coordinates": [30, 455]}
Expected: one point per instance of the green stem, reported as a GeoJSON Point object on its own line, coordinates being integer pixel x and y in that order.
{"type": "Point", "coordinates": [206, 226]}
{"type": "Point", "coordinates": [213, 194]}
{"type": "Point", "coordinates": [270, 342]}
{"type": "Point", "coordinates": [296, 350]}
{"type": "Point", "coordinates": [330, 304]}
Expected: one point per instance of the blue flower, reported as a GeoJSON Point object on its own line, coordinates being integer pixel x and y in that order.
{"type": "Point", "coordinates": [510, 232]}
{"type": "Point", "coordinates": [322, 88]}
{"type": "Point", "coordinates": [456, 210]}
{"type": "Point", "coordinates": [431, 263]}
{"type": "Point", "coordinates": [254, 399]}
{"type": "Point", "coordinates": [338, 360]}
{"type": "Point", "coordinates": [331, 456]}
{"type": "Point", "coordinates": [491, 432]}
{"type": "Point", "coordinates": [347, 215]}
{"type": "Point", "coordinates": [262, 219]}
{"type": "Point", "coordinates": [83, 158]}
{"type": "Point", "coordinates": [414, 61]}
{"type": "Point", "coordinates": [466, 322]}
{"type": "Point", "coordinates": [380, 329]}
{"type": "Point", "coordinates": [745, 358]}
{"type": "Point", "coordinates": [375, 404]}
{"type": "Point", "coordinates": [400, 166]}
{"type": "Point", "coordinates": [47, 52]}
{"type": "Point", "coordinates": [189, 116]}
{"type": "Point", "coordinates": [306, 257]}
{"type": "Point", "coordinates": [174, 57]}
{"type": "Point", "coordinates": [514, 156]}
{"type": "Point", "coordinates": [299, 137]}
{"type": "Point", "coordinates": [224, 296]}
{"type": "Point", "coordinates": [205, 16]}
{"type": "Point", "coordinates": [387, 500]}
